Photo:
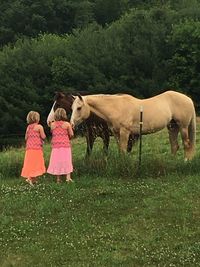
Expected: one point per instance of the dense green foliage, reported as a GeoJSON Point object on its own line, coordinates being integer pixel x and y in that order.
{"type": "Point", "coordinates": [136, 47]}
{"type": "Point", "coordinates": [19, 18]}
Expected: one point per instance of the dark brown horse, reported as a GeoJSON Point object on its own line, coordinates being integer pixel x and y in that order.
{"type": "Point", "coordinates": [94, 126]}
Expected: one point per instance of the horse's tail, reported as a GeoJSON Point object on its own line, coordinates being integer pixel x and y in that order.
{"type": "Point", "coordinates": [192, 132]}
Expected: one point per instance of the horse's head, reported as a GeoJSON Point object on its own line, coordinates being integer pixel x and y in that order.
{"type": "Point", "coordinates": [80, 110]}
{"type": "Point", "coordinates": [61, 100]}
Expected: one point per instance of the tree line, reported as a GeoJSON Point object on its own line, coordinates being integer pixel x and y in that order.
{"type": "Point", "coordinates": [138, 47]}
{"type": "Point", "coordinates": [19, 18]}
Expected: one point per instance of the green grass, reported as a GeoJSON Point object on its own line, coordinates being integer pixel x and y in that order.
{"type": "Point", "coordinates": [115, 214]}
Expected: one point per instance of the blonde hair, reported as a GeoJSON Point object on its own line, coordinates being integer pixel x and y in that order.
{"type": "Point", "coordinates": [33, 117]}
{"type": "Point", "coordinates": [60, 114]}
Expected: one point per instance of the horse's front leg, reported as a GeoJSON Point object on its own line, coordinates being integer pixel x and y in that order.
{"type": "Point", "coordinates": [106, 139]}
{"type": "Point", "coordinates": [116, 135]}
{"type": "Point", "coordinates": [123, 139]}
{"type": "Point", "coordinates": [90, 137]}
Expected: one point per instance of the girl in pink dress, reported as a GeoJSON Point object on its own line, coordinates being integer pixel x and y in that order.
{"type": "Point", "coordinates": [61, 156]}
{"type": "Point", "coordinates": [33, 161]}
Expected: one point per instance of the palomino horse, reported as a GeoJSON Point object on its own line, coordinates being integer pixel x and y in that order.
{"type": "Point", "coordinates": [94, 125]}
{"type": "Point", "coordinates": [122, 113]}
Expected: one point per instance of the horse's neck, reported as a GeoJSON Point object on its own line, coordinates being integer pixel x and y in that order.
{"type": "Point", "coordinates": [97, 105]}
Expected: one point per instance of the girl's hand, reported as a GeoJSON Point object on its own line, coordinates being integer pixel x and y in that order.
{"type": "Point", "coordinates": [72, 125]}
{"type": "Point", "coordinates": [49, 123]}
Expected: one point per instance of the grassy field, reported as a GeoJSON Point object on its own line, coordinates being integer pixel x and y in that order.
{"type": "Point", "coordinates": [114, 214]}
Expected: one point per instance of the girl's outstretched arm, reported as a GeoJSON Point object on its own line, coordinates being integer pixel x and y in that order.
{"type": "Point", "coordinates": [26, 134]}
{"type": "Point", "coordinates": [41, 131]}
{"type": "Point", "coordinates": [70, 131]}
{"type": "Point", "coordinates": [66, 125]}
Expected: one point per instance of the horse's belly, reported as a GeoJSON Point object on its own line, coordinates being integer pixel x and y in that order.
{"type": "Point", "coordinates": [146, 130]}
{"type": "Point", "coordinates": [148, 127]}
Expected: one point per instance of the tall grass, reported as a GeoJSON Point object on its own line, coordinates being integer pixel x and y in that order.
{"type": "Point", "coordinates": [156, 160]}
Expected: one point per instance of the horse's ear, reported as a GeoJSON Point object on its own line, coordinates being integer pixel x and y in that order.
{"type": "Point", "coordinates": [73, 96]}
{"type": "Point", "coordinates": [58, 95]}
{"type": "Point", "coordinates": [67, 94]}
{"type": "Point", "coordinates": [79, 96]}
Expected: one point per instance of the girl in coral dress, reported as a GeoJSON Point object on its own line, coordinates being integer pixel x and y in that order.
{"type": "Point", "coordinates": [33, 161]}
{"type": "Point", "coordinates": [61, 155]}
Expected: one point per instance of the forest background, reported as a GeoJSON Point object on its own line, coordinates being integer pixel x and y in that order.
{"type": "Point", "coordinates": [101, 46]}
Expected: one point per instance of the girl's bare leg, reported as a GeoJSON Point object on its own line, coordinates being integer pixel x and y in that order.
{"type": "Point", "coordinates": [29, 180]}
{"type": "Point", "coordinates": [34, 179]}
{"type": "Point", "coordinates": [58, 180]}
{"type": "Point", "coordinates": [68, 178]}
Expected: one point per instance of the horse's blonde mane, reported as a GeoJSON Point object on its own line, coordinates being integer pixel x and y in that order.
{"type": "Point", "coordinates": [104, 95]}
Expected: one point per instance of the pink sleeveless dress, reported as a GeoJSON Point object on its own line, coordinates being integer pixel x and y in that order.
{"type": "Point", "coordinates": [61, 156]}
{"type": "Point", "coordinates": [33, 161]}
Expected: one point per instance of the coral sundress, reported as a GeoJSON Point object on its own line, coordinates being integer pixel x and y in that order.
{"type": "Point", "coordinates": [34, 160]}
{"type": "Point", "coordinates": [61, 155]}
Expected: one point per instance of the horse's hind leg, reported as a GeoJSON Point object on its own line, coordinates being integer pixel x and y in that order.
{"type": "Point", "coordinates": [173, 130]}
{"type": "Point", "coordinates": [186, 143]}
